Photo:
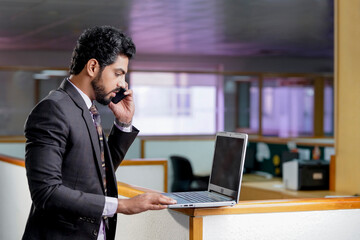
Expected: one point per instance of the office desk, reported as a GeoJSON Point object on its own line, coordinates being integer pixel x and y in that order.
{"type": "Point", "coordinates": [256, 187]}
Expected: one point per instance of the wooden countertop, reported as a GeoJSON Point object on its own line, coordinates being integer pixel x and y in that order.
{"type": "Point", "coordinates": [255, 206]}
{"type": "Point", "coordinates": [272, 206]}
{"type": "Point", "coordinates": [260, 206]}
{"type": "Point", "coordinates": [143, 161]}
{"type": "Point", "coordinates": [297, 200]}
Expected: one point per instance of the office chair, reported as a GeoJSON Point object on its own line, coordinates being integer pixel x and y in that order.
{"type": "Point", "coordinates": [249, 164]}
{"type": "Point", "coordinates": [184, 179]}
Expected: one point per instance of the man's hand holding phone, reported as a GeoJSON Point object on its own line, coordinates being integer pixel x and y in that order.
{"type": "Point", "coordinates": [119, 96]}
{"type": "Point", "coordinates": [122, 106]}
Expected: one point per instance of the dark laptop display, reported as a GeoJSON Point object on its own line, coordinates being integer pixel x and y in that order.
{"type": "Point", "coordinates": [225, 169]}
{"type": "Point", "coordinates": [226, 175]}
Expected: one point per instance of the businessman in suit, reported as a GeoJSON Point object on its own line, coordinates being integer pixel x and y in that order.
{"type": "Point", "coordinates": [70, 164]}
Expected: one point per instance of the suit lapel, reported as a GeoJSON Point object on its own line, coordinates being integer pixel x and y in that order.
{"type": "Point", "coordinates": [109, 165]}
{"type": "Point", "coordinates": [80, 103]}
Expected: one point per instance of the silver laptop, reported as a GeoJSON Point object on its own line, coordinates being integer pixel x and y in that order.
{"type": "Point", "coordinates": [226, 175]}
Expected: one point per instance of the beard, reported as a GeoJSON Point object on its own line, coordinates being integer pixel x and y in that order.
{"type": "Point", "coordinates": [100, 95]}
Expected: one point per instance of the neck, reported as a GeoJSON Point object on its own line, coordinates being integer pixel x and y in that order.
{"type": "Point", "coordinates": [84, 84]}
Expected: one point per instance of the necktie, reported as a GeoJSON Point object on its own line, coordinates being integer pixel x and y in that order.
{"type": "Point", "coordinates": [97, 122]}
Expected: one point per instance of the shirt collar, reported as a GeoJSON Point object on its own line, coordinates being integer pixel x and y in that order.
{"type": "Point", "coordinates": [87, 100]}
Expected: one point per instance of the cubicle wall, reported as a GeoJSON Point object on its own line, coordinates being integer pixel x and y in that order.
{"type": "Point", "coordinates": [199, 150]}
{"type": "Point", "coordinates": [165, 224]}
{"type": "Point", "coordinates": [17, 149]}
{"type": "Point", "coordinates": [322, 218]}
{"type": "Point", "coordinates": [15, 201]}
{"type": "Point", "coordinates": [168, 224]}
{"type": "Point", "coordinates": [148, 173]}
{"type": "Point", "coordinates": [13, 149]}
{"type": "Point", "coordinates": [330, 225]}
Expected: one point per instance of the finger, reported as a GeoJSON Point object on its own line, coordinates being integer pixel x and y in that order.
{"type": "Point", "coordinates": [158, 207]}
{"type": "Point", "coordinates": [128, 92]}
{"type": "Point", "coordinates": [112, 106]}
{"type": "Point", "coordinates": [166, 200]}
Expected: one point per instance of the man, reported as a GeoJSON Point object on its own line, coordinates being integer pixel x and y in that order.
{"type": "Point", "coordinates": [70, 165]}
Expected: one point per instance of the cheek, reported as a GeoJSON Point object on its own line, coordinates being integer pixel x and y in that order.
{"type": "Point", "coordinates": [109, 84]}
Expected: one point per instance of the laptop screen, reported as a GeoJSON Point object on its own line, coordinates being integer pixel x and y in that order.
{"type": "Point", "coordinates": [228, 162]}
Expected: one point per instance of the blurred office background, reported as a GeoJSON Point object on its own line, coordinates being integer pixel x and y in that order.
{"type": "Point", "coordinates": [202, 66]}
{"type": "Point", "coordinates": [285, 72]}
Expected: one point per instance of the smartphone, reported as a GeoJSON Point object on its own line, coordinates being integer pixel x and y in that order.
{"type": "Point", "coordinates": [119, 96]}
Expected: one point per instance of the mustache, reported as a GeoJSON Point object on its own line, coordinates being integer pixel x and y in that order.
{"type": "Point", "coordinates": [115, 90]}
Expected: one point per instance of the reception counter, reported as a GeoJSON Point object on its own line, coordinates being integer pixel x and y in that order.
{"type": "Point", "coordinates": [291, 218]}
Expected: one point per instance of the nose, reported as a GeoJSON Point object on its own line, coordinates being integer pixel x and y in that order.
{"type": "Point", "coordinates": [122, 84]}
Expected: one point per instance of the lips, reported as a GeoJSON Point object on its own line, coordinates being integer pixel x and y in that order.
{"type": "Point", "coordinates": [115, 91]}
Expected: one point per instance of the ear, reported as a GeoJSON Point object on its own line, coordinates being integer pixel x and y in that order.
{"type": "Point", "coordinates": [92, 67]}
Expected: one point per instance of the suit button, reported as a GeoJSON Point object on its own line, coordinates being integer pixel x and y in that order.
{"type": "Point", "coordinates": [95, 233]}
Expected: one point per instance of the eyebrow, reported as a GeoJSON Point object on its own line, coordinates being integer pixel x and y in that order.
{"type": "Point", "coordinates": [121, 70]}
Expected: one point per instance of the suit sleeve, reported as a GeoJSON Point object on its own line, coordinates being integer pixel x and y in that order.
{"type": "Point", "coordinates": [46, 131]}
{"type": "Point", "coordinates": [119, 142]}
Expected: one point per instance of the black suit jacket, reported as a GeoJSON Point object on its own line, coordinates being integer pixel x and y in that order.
{"type": "Point", "coordinates": [63, 168]}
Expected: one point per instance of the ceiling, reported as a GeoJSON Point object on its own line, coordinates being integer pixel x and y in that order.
{"type": "Point", "coordinates": [296, 28]}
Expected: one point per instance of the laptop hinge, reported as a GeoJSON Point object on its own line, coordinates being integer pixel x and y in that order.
{"type": "Point", "coordinates": [223, 195]}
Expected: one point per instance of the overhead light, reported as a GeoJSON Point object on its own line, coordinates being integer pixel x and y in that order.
{"type": "Point", "coordinates": [47, 74]}
{"type": "Point", "coordinates": [55, 73]}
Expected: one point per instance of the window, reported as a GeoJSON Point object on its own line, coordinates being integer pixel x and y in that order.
{"type": "Point", "coordinates": [287, 107]}
{"type": "Point", "coordinates": [176, 103]}
{"type": "Point", "coordinates": [247, 103]}
{"type": "Point", "coordinates": [329, 107]}
{"type": "Point", "coordinates": [181, 103]}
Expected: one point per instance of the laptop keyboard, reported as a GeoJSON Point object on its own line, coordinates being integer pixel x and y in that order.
{"type": "Point", "coordinates": [198, 197]}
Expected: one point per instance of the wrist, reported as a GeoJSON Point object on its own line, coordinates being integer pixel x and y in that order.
{"type": "Point", "coordinates": [123, 124]}
{"type": "Point", "coordinates": [121, 206]}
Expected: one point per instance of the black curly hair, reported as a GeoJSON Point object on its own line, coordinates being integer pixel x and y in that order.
{"type": "Point", "coordinates": [104, 44]}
